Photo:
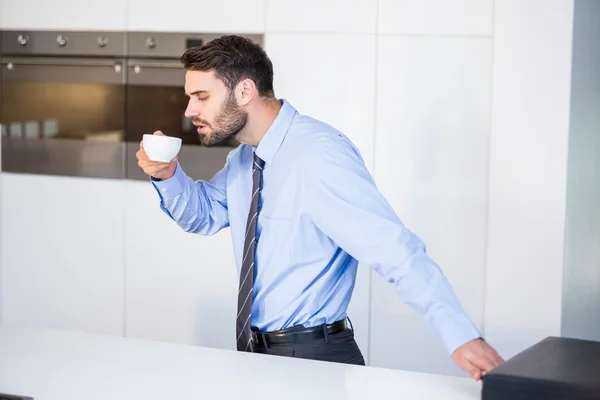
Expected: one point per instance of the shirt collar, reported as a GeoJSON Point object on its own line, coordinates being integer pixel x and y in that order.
{"type": "Point", "coordinates": [271, 142]}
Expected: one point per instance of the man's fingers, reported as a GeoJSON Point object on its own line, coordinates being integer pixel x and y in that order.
{"type": "Point", "coordinates": [495, 359]}
{"type": "Point", "coordinates": [159, 133]}
{"type": "Point", "coordinates": [147, 165]}
{"type": "Point", "coordinates": [481, 361]}
{"type": "Point", "coordinates": [141, 155]}
{"type": "Point", "coordinates": [472, 369]}
{"type": "Point", "coordinates": [152, 168]}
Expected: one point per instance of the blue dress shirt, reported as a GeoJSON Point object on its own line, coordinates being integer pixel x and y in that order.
{"type": "Point", "coordinates": [320, 215]}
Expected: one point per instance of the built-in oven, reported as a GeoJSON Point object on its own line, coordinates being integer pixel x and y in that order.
{"type": "Point", "coordinates": [156, 100]}
{"type": "Point", "coordinates": [62, 105]}
{"type": "Point", "coordinates": [79, 103]}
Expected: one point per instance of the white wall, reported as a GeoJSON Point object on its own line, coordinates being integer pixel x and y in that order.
{"type": "Point", "coordinates": [527, 171]}
{"type": "Point", "coordinates": [581, 305]}
{"type": "Point", "coordinates": [449, 103]}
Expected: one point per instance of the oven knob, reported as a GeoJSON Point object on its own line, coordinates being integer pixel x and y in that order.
{"type": "Point", "coordinates": [117, 68]}
{"type": "Point", "coordinates": [151, 43]}
{"type": "Point", "coordinates": [22, 40]}
{"type": "Point", "coordinates": [9, 66]}
{"type": "Point", "coordinates": [102, 41]}
{"type": "Point", "coordinates": [61, 40]}
{"type": "Point", "coordinates": [137, 69]}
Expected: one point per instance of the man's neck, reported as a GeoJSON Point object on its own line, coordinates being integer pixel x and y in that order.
{"type": "Point", "coordinates": [260, 119]}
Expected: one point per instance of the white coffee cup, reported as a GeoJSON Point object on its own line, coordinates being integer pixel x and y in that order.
{"type": "Point", "coordinates": [161, 148]}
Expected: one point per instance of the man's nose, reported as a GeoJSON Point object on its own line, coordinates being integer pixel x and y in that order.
{"type": "Point", "coordinates": [192, 110]}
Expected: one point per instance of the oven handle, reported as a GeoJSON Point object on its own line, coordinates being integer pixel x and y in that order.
{"type": "Point", "coordinates": [84, 62]}
{"type": "Point", "coordinates": [132, 63]}
{"type": "Point", "coordinates": [63, 70]}
{"type": "Point", "coordinates": [164, 73]}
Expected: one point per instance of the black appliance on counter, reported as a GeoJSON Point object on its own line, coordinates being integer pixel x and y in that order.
{"type": "Point", "coordinates": [78, 103]}
{"type": "Point", "coordinates": [556, 368]}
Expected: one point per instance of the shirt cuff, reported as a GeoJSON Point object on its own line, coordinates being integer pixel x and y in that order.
{"type": "Point", "coordinates": [457, 331]}
{"type": "Point", "coordinates": [172, 187]}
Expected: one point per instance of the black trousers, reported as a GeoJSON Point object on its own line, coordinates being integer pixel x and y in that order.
{"type": "Point", "coordinates": [338, 347]}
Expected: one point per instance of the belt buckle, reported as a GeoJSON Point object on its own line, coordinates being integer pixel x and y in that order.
{"type": "Point", "coordinates": [254, 336]}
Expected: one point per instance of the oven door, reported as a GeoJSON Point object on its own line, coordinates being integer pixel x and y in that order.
{"type": "Point", "coordinates": [63, 116]}
{"type": "Point", "coordinates": [156, 100]}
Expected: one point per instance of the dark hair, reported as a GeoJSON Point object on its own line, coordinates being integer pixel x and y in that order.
{"type": "Point", "coordinates": [233, 58]}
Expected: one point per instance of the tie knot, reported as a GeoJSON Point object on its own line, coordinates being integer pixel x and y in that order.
{"type": "Point", "coordinates": [258, 162]}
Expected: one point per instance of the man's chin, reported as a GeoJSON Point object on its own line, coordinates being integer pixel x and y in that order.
{"type": "Point", "coordinates": [210, 141]}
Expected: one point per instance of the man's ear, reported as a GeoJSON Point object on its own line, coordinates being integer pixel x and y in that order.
{"type": "Point", "coordinates": [246, 91]}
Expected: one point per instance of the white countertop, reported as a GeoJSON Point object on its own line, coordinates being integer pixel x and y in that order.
{"type": "Point", "coordinates": [62, 365]}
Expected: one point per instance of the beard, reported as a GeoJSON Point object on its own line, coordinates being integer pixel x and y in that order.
{"type": "Point", "coordinates": [230, 120]}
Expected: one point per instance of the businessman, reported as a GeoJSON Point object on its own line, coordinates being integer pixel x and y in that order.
{"type": "Point", "coordinates": [303, 212]}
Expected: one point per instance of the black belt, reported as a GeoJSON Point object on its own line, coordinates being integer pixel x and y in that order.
{"type": "Point", "coordinates": [298, 334]}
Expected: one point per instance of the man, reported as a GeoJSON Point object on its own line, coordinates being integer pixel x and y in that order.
{"type": "Point", "coordinates": [303, 211]}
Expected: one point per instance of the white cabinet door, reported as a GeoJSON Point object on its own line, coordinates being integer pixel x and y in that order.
{"type": "Point", "coordinates": [321, 16]}
{"type": "Point", "coordinates": [323, 78]}
{"type": "Point", "coordinates": [179, 287]}
{"type": "Point", "coordinates": [88, 15]}
{"type": "Point", "coordinates": [62, 252]}
{"type": "Point", "coordinates": [236, 16]}
{"type": "Point", "coordinates": [533, 43]}
{"type": "Point", "coordinates": [436, 17]}
{"type": "Point", "coordinates": [431, 162]}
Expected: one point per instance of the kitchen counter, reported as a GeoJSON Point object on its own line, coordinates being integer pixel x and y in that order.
{"type": "Point", "coordinates": [65, 365]}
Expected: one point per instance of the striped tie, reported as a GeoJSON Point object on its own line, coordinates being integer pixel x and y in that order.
{"type": "Point", "coordinates": [244, 336]}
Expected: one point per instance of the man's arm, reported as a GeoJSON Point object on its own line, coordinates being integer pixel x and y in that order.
{"type": "Point", "coordinates": [197, 207]}
{"type": "Point", "coordinates": [346, 205]}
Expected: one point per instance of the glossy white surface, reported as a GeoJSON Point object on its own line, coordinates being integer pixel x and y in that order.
{"type": "Point", "coordinates": [179, 287]}
{"type": "Point", "coordinates": [333, 16]}
{"type": "Point", "coordinates": [64, 15]}
{"type": "Point", "coordinates": [330, 77]}
{"type": "Point", "coordinates": [53, 365]}
{"type": "Point", "coordinates": [436, 17]}
{"type": "Point", "coordinates": [62, 252]}
{"type": "Point", "coordinates": [528, 171]}
{"type": "Point", "coordinates": [432, 153]}
{"type": "Point", "coordinates": [240, 16]}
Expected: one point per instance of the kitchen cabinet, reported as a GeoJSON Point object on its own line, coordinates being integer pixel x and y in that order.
{"type": "Point", "coordinates": [64, 15]}
{"type": "Point", "coordinates": [436, 17]}
{"type": "Point", "coordinates": [62, 252]}
{"type": "Point", "coordinates": [179, 287]}
{"type": "Point", "coordinates": [321, 16]}
{"type": "Point", "coordinates": [529, 159]}
{"type": "Point", "coordinates": [431, 146]}
{"type": "Point", "coordinates": [236, 16]}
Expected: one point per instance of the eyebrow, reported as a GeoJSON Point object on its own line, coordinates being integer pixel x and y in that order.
{"type": "Point", "coordinates": [196, 92]}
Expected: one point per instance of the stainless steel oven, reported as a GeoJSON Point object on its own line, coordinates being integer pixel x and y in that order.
{"type": "Point", "coordinates": [156, 100]}
{"type": "Point", "coordinates": [63, 103]}
{"type": "Point", "coordinates": [78, 103]}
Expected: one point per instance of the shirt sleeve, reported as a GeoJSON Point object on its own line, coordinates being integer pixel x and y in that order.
{"type": "Point", "coordinates": [197, 207]}
{"type": "Point", "coordinates": [346, 205]}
